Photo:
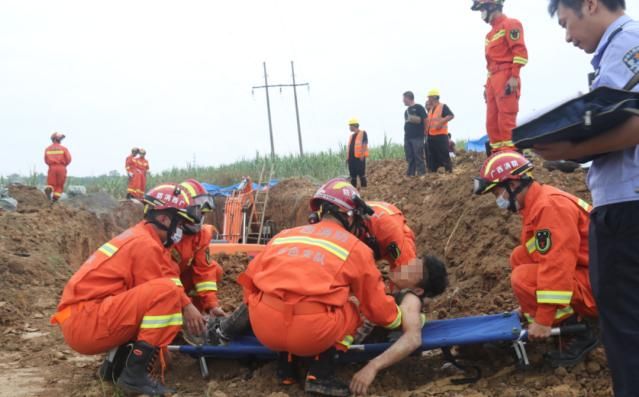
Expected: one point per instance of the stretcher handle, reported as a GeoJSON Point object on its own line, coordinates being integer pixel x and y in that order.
{"type": "Point", "coordinates": [560, 331]}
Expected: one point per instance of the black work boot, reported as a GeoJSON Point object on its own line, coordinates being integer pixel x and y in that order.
{"type": "Point", "coordinates": [286, 369]}
{"type": "Point", "coordinates": [136, 376]}
{"type": "Point", "coordinates": [321, 377]}
{"type": "Point", "coordinates": [113, 364]}
{"type": "Point", "coordinates": [222, 330]}
{"type": "Point", "coordinates": [573, 348]}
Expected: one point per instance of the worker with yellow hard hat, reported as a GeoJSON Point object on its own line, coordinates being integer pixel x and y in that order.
{"type": "Point", "coordinates": [439, 115]}
{"type": "Point", "coordinates": [356, 153]}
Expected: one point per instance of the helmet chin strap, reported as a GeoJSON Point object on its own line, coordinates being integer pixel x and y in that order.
{"type": "Point", "coordinates": [512, 194]}
{"type": "Point", "coordinates": [488, 11]}
{"type": "Point", "coordinates": [170, 230]}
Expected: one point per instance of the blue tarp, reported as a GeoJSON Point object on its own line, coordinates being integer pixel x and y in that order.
{"type": "Point", "coordinates": [436, 334]}
{"type": "Point", "coordinates": [216, 190]}
{"type": "Point", "coordinates": [477, 145]}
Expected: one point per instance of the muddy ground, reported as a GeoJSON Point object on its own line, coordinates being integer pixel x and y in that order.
{"type": "Point", "coordinates": [41, 246]}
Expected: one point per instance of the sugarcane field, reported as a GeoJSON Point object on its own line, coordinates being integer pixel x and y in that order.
{"type": "Point", "coordinates": [289, 199]}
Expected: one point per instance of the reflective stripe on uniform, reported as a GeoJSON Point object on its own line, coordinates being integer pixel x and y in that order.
{"type": "Point", "coordinates": [498, 35]}
{"type": "Point", "coordinates": [168, 320]}
{"type": "Point", "coordinates": [381, 206]}
{"type": "Point", "coordinates": [347, 341]}
{"type": "Point", "coordinates": [520, 60]}
{"type": "Point", "coordinates": [583, 204]}
{"type": "Point", "coordinates": [554, 297]}
{"type": "Point", "coordinates": [206, 286]}
{"type": "Point", "coordinates": [108, 249]}
{"type": "Point", "coordinates": [329, 246]}
{"type": "Point", "coordinates": [177, 282]}
{"type": "Point", "coordinates": [422, 316]}
{"type": "Point", "coordinates": [55, 151]}
{"type": "Point", "coordinates": [560, 314]}
{"type": "Point", "coordinates": [397, 322]}
{"type": "Point", "coordinates": [531, 245]}
{"type": "Point", "coordinates": [502, 144]}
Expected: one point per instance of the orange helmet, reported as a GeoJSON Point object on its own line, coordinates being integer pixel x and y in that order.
{"type": "Point", "coordinates": [338, 192]}
{"type": "Point", "coordinates": [201, 203]}
{"type": "Point", "coordinates": [168, 197]}
{"type": "Point", "coordinates": [478, 4]}
{"type": "Point", "coordinates": [500, 168]}
{"type": "Point", "coordinates": [57, 137]}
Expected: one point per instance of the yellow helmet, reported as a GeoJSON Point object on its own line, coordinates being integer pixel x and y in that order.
{"type": "Point", "coordinates": [353, 121]}
{"type": "Point", "coordinates": [434, 92]}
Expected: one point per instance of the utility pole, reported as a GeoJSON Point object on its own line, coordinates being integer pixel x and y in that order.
{"type": "Point", "coordinates": [266, 86]}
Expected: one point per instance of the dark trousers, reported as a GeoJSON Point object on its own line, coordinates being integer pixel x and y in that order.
{"type": "Point", "coordinates": [414, 150]}
{"type": "Point", "coordinates": [614, 275]}
{"type": "Point", "coordinates": [438, 153]}
{"type": "Point", "coordinates": [357, 168]}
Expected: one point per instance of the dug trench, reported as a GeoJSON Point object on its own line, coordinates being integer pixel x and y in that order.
{"type": "Point", "coordinates": [42, 245]}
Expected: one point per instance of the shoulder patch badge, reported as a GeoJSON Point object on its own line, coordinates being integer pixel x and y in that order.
{"type": "Point", "coordinates": [543, 241]}
{"type": "Point", "coordinates": [515, 34]}
{"type": "Point", "coordinates": [631, 59]}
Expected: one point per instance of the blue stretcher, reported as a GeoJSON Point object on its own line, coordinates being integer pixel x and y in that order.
{"type": "Point", "coordinates": [435, 335]}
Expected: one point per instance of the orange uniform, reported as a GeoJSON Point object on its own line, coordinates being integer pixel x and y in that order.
{"type": "Point", "coordinates": [138, 182]}
{"type": "Point", "coordinates": [298, 290]}
{"type": "Point", "coordinates": [131, 169]}
{"type": "Point", "coordinates": [360, 149]}
{"type": "Point", "coordinates": [199, 273]}
{"type": "Point", "coordinates": [396, 240]}
{"type": "Point", "coordinates": [550, 268]}
{"type": "Point", "coordinates": [125, 291]}
{"type": "Point", "coordinates": [506, 54]}
{"type": "Point", "coordinates": [57, 157]}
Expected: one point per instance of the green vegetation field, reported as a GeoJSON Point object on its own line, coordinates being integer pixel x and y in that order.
{"type": "Point", "coordinates": [320, 166]}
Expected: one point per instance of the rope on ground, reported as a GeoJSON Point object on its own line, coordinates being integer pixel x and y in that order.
{"type": "Point", "coordinates": [454, 230]}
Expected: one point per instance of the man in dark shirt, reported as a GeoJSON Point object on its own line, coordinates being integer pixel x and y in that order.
{"type": "Point", "coordinates": [414, 130]}
{"type": "Point", "coordinates": [439, 115]}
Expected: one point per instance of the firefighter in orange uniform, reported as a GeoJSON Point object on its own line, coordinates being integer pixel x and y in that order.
{"type": "Point", "coordinates": [550, 275]}
{"type": "Point", "coordinates": [130, 166]}
{"type": "Point", "coordinates": [127, 291]}
{"type": "Point", "coordinates": [298, 290]}
{"type": "Point", "coordinates": [356, 153]}
{"type": "Point", "coordinates": [57, 157]}
{"type": "Point", "coordinates": [143, 167]}
{"type": "Point", "coordinates": [506, 54]}
{"type": "Point", "coordinates": [199, 273]}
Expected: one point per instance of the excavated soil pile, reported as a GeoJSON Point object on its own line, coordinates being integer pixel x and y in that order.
{"type": "Point", "coordinates": [39, 250]}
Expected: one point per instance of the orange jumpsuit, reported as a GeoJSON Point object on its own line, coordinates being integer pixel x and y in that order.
{"type": "Point", "coordinates": [199, 273]}
{"type": "Point", "coordinates": [396, 240]}
{"type": "Point", "coordinates": [506, 54]}
{"type": "Point", "coordinates": [550, 268]}
{"type": "Point", "coordinates": [298, 290]}
{"type": "Point", "coordinates": [57, 157]}
{"type": "Point", "coordinates": [138, 182]}
{"type": "Point", "coordinates": [131, 169]}
{"type": "Point", "coordinates": [125, 291]}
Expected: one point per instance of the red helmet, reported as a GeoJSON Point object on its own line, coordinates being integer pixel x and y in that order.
{"type": "Point", "coordinates": [338, 192]}
{"type": "Point", "coordinates": [502, 167]}
{"type": "Point", "coordinates": [201, 197]}
{"type": "Point", "coordinates": [478, 4]}
{"type": "Point", "coordinates": [57, 137]}
{"type": "Point", "coordinates": [169, 196]}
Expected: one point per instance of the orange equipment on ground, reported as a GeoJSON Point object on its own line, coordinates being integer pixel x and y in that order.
{"type": "Point", "coordinates": [57, 157]}
{"type": "Point", "coordinates": [236, 208]}
{"type": "Point", "coordinates": [298, 290]}
{"type": "Point", "coordinates": [199, 273]}
{"type": "Point", "coordinates": [127, 290]}
{"type": "Point", "coordinates": [506, 54]}
{"type": "Point", "coordinates": [550, 268]}
{"type": "Point", "coordinates": [395, 239]}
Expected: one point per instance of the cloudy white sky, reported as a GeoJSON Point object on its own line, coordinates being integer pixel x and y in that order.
{"type": "Point", "coordinates": [175, 77]}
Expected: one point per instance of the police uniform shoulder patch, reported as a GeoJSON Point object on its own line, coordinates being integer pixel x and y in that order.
{"type": "Point", "coordinates": [543, 241]}
{"type": "Point", "coordinates": [515, 34]}
{"type": "Point", "coordinates": [631, 59]}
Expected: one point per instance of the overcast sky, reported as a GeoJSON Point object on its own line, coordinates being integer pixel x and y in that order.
{"type": "Point", "coordinates": [175, 77]}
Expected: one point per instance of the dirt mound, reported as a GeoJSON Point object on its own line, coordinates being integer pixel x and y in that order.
{"type": "Point", "coordinates": [29, 198]}
{"type": "Point", "coordinates": [288, 202]}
